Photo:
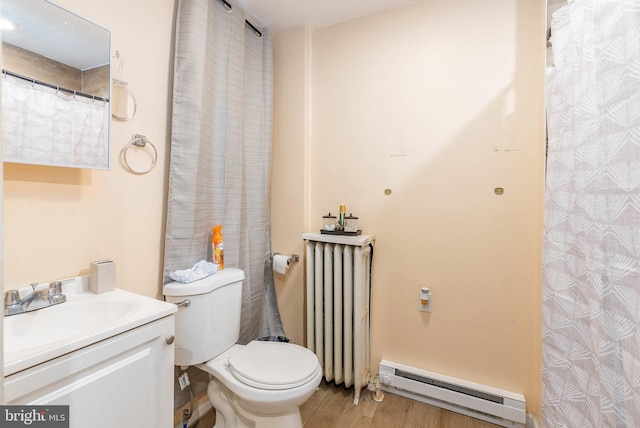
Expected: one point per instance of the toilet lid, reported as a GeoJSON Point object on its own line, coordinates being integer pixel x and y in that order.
{"type": "Point", "coordinates": [273, 365]}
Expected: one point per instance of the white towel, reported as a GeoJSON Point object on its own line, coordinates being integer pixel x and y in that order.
{"type": "Point", "coordinates": [200, 270]}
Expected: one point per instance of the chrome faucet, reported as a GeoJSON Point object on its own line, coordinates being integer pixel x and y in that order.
{"type": "Point", "coordinates": [27, 301]}
{"type": "Point", "coordinates": [35, 300]}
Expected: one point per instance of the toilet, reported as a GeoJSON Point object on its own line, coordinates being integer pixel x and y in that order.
{"type": "Point", "coordinates": [261, 384]}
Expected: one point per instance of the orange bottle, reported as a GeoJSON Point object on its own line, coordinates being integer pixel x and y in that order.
{"type": "Point", "coordinates": [217, 246]}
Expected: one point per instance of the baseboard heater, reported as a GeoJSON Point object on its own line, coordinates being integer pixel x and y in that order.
{"type": "Point", "coordinates": [497, 406]}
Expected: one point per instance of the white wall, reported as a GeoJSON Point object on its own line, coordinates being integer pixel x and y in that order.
{"type": "Point", "coordinates": [441, 102]}
{"type": "Point", "coordinates": [289, 186]}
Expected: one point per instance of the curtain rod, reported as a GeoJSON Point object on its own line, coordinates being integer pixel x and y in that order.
{"type": "Point", "coordinates": [229, 7]}
{"type": "Point", "coordinates": [49, 85]}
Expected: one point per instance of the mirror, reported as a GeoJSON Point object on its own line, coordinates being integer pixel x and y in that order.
{"type": "Point", "coordinates": [55, 87]}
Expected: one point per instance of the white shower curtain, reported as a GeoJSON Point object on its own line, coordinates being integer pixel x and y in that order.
{"type": "Point", "coordinates": [591, 265]}
{"type": "Point", "coordinates": [221, 153]}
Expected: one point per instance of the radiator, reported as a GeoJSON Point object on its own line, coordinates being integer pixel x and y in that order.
{"type": "Point", "coordinates": [338, 292]}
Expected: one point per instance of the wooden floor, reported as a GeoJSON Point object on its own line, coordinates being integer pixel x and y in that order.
{"type": "Point", "coordinates": [332, 406]}
{"type": "Point", "coordinates": [208, 420]}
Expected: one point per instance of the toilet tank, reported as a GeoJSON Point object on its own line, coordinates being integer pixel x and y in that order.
{"type": "Point", "coordinates": [210, 324]}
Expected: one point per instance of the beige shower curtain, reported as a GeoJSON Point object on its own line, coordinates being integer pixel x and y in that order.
{"type": "Point", "coordinates": [221, 153]}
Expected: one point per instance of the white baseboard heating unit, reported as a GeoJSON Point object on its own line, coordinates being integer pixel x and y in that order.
{"type": "Point", "coordinates": [338, 290]}
{"type": "Point", "coordinates": [490, 404]}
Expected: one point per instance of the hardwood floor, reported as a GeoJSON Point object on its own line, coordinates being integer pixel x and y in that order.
{"type": "Point", "coordinates": [208, 420]}
{"type": "Point", "coordinates": [332, 406]}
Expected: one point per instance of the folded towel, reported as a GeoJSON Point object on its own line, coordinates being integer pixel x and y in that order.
{"type": "Point", "coordinates": [200, 270]}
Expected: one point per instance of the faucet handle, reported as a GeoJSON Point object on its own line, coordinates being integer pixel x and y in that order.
{"type": "Point", "coordinates": [12, 303]}
{"type": "Point", "coordinates": [56, 286]}
{"type": "Point", "coordinates": [11, 297]}
{"type": "Point", "coordinates": [55, 291]}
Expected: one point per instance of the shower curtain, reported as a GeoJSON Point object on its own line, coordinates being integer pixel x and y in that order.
{"type": "Point", "coordinates": [221, 154]}
{"type": "Point", "coordinates": [591, 262]}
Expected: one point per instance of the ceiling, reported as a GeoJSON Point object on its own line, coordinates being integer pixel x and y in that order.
{"type": "Point", "coordinates": [280, 15]}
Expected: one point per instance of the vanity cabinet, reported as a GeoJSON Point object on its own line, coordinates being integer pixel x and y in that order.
{"type": "Point", "coordinates": [122, 381]}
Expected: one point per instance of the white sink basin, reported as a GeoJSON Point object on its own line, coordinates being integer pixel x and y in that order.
{"type": "Point", "coordinates": [85, 318]}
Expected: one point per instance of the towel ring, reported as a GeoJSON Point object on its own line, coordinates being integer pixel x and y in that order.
{"type": "Point", "coordinates": [139, 141]}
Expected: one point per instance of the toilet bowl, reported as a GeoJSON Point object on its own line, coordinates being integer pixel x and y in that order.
{"type": "Point", "coordinates": [260, 384]}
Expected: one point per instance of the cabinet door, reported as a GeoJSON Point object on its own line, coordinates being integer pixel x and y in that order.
{"type": "Point", "coordinates": [124, 381]}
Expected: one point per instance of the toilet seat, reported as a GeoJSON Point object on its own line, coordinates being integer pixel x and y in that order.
{"type": "Point", "coordinates": [273, 365]}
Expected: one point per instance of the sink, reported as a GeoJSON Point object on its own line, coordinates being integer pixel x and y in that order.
{"type": "Point", "coordinates": [85, 318]}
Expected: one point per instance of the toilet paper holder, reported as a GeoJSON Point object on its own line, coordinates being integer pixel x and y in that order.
{"type": "Point", "coordinates": [294, 257]}
{"type": "Point", "coordinates": [281, 262]}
